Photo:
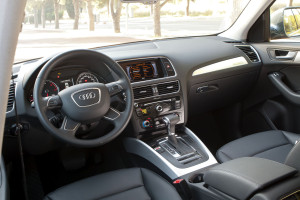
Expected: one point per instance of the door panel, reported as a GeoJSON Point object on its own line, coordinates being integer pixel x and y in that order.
{"type": "Point", "coordinates": [266, 107]}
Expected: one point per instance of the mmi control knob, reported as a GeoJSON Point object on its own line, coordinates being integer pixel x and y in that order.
{"type": "Point", "coordinates": [159, 108]}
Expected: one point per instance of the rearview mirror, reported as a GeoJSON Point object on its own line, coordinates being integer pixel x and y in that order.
{"type": "Point", "coordinates": [285, 23]}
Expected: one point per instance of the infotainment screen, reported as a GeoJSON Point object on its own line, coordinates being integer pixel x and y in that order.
{"type": "Point", "coordinates": [140, 70]}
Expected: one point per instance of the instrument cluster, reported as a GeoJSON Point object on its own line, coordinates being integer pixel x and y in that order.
{"type": "Point", "coordinates": [61, 79]}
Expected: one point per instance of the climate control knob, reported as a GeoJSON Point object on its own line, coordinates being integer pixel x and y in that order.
{"type": "Point", "coordinates": [146, 123]}
{"type": "Point", "coordinates": [159, 108]}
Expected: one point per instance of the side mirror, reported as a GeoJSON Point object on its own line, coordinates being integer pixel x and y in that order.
{"type": "Point", "coordinates": [285, 23]}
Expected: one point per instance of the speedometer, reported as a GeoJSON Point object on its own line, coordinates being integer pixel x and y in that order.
{"type": "Point", "coordinates": [87, 77]}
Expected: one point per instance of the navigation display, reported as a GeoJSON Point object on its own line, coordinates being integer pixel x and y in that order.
{"type": "Point", "coordinates": [140, 70]}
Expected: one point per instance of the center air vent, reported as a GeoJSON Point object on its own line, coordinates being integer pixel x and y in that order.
{"type": "Point", "coordinates": [142, 92]}
{"type": "Point", "coordinates": [10, 103]}
{"type": "Point", "coordinates": [166, 88]}
{"type": "Point", "coordinates": [250, 52]}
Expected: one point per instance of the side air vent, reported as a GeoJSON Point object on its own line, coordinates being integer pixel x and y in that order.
{"type": "Point", "coordinates": [142, 92]}
{"type": "Point", "coordinates": [166, 88]}
{"type": "Point", "coordinates": [250, 52]}
{"type": "Point", "coordinates": [10, 103]}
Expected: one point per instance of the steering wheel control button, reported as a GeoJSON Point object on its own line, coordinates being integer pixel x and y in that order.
{"type": "Point", "coordinates": [54, 101]}
{"type": "Point", "coordinates": [115, 89]}
{"type": "Point", "coordinates": [87, 97]}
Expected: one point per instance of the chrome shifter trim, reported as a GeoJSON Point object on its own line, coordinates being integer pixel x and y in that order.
{"type": "Point", "coordinates": [138, 147]}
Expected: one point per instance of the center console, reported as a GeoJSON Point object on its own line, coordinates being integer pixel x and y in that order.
{"type": "Point", "coordinates": [161, 138]}
{"type": "Point", "coordinates": [158, 119]}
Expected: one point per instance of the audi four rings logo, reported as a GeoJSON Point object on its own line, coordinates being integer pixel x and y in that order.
{"type": "Point", "coordinates": [86, 96]}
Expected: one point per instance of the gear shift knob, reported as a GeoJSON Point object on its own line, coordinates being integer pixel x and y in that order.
{"type": "Point", "coordinates": [171, 120]}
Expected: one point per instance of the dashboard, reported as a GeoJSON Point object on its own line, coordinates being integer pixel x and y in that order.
{"type": "Point", "coordinates": [161, 76]}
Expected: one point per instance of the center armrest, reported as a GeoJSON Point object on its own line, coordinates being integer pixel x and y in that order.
{"type": "Point", "coordinates": [240, 178]}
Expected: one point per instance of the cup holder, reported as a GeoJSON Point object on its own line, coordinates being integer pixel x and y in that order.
{"type": "Point", "coordinates": [196, 178]}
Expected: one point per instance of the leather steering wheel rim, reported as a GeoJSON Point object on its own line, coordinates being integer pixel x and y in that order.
{"type": "Point", "coordinates": [68, 135]}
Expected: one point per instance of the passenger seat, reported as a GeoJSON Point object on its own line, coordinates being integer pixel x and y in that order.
{"type": "Point", "coordinates": [273, 145]}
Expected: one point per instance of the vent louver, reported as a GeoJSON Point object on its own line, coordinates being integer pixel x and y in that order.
{"type": "Point", "coordinates": [166, 88]}
{"type": "Point", "coordinates": [11, 100]}
{"type": "Point", "coordinates": [250, 52]}
{"type": "Point", "coordinates": [233, 41]}
{"type": "Point", "coordinates": [142, 92]}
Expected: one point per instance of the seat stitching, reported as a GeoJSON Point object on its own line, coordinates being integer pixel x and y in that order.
{"type": "Point", "coordinates": [269, 149]}
{"type": "Point", "coordinates": [120, 192]}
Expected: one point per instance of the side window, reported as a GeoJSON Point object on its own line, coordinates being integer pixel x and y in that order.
{"type": "Point", "coordinates": [285, 20]}
{"type": "Point", "coordinates": [289, 22]}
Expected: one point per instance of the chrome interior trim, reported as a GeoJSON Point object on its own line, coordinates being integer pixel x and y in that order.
{"type": "Point", "coordinates": [297, 57]}
{"type": "Point", "coordinates": [77, 125]}
{"type": "Point", "coordinates": [248, 45]}
{"type": "Point", "coordinates": [114, 110]}
{"type": "Point", "coordinates": [225, 64]}
{"type": "Point", "coordinates": [138, 147]}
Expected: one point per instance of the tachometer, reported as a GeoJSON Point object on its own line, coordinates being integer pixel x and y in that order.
{"type": "Point", "coordinates": [87, 77]}
{"type": "Point", "coordinates": [50, 88]}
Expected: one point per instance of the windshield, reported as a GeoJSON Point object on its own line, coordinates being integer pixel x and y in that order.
{"type": "Point", "coordinates": [51, 26]}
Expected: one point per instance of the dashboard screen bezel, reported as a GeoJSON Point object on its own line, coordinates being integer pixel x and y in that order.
{"type": "Point", "coordinates": [130, 63]}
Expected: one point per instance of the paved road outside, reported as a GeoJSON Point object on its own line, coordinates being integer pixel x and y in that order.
{"type": "Point", "coordinates": [34, 43]}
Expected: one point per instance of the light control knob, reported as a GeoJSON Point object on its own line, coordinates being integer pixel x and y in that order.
{"type": "Point", "coordinates": [159, 108]}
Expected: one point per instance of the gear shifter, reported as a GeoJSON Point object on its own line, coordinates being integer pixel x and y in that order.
{"type": "Point", "coordinates": [171, 120]}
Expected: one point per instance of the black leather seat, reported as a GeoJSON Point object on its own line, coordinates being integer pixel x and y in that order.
{"type": "Point", "coordinates": [131, 184]}
{"type": "Point", "coordinates": [274, 145]}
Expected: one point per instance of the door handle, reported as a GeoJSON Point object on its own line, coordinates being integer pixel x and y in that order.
{"type": "Point", "coordinates": [281, 54]}
{"type": "Point", "coordinates": [276, 79]}
{"type": "Point", "coordinates": [289, 56]}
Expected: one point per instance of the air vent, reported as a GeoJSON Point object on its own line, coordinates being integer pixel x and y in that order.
{"type": "Point", "coordinates": [10, 103]}
{"type": "Point", "coordinates": [166, 88]}
{"type": "Point", "coordinates": [250, 52]}
{"type": "Point", "coordinates": [233, 41]}
{"type": "Point", "coordinates": [142, 92]}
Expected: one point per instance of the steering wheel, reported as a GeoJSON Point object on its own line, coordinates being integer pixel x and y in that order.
{"type": "Point", "coordinates": [84, 103]}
